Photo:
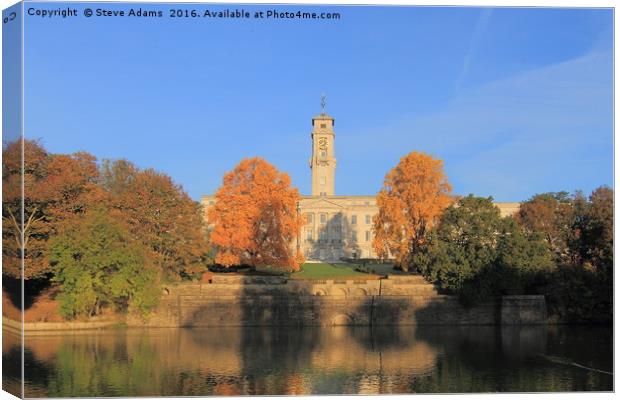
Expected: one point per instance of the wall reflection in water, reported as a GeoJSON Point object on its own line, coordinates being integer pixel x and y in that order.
{"type": "Point", "coordinates": [235, 361]}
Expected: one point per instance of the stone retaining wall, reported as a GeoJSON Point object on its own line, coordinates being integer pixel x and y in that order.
{"type": "Point", "coordinates": [266, 301]}
{"type": "Point", "coordinates": [236, 300]}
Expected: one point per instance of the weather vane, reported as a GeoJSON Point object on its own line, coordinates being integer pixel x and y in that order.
{"type": "Point", "coordinates": [323, 97]}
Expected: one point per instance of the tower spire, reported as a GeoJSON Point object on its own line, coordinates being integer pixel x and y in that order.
{"type": "Point", "coordinates": [323, 103]}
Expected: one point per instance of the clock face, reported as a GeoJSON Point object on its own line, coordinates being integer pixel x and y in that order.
{"type": "Point", "coordinates": [323, 143]}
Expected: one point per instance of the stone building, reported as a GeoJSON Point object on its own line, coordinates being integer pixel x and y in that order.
{"type": "Point", "coordinates": [336, 226]}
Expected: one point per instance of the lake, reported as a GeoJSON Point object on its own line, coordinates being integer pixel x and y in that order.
{"type": "Point", "coordinates": [312, 360]}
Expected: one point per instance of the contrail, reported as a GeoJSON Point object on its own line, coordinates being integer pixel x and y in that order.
{"type": "Point", "coordinates": [481, 25]}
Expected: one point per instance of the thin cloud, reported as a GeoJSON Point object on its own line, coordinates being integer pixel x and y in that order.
{"type": "Point", "coordinates": [548, 129]}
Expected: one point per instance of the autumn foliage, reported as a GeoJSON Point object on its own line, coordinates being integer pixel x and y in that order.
{"type": "Point", "coordinates": [57, 187]}
{"type": "Point", "coordinates": [64, 196]}
{"type": "Point", "coordinates": [255, 217]}
{"type": "Point", "coordinates": [158, 212]}
{"type": "Point", "coordinates": [414, 195]}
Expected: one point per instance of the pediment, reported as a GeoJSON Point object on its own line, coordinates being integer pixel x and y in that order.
{"type": "Point", "coordinates": [321, 203]}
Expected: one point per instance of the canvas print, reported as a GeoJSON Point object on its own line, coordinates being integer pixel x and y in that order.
{"type": "Point", "coordinates": [204, 199]}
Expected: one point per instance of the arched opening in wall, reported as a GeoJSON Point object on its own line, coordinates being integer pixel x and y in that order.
{"type": "Point", "coordinates": [166, 292]}
{"type": "Point", "coordinates": [359, 292]}
{"type": "Point", "coordinates": [320, 292]}
{"type": "Point", "coordinates": [340, 292]}
{"type": "Point", "coordinates": [341, 319]}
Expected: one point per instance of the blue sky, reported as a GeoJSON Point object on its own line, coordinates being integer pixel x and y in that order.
{"type": "Point", "coordinates": [515, 101]}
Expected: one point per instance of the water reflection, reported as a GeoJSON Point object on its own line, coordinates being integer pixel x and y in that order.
{"type": "Point", "coordinates": [236, 361]}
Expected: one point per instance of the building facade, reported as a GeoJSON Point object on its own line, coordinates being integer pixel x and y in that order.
{"type": "Point", "coordinates": [336, 227]}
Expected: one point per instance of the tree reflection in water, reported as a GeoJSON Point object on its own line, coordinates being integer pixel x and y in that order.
{"type": "Point", "coordinates": [237, 361]}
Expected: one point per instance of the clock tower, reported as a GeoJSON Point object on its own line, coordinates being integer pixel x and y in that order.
{"type": "Point", "coordinates": [323, 160]}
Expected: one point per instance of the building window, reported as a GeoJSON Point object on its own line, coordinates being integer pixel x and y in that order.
{"type": "Point", "coordinates": [368, 219]}
{"type": "Point", "coordinates": [309, 218]}
{"type": "Point", "coordinates": [367, 236]}
{"type": "Point", "coordinates": [354, 236]}
{"type": "Point", "coordinates": [323, 218]}
{"type": "Point", "coordinates": [211, 202]}
{"type": "Point", "coordinates": [323, 180]}
{"type": "Point", "coordinates": [308, 235]}
{"type": "Point", "coordinates": [353, 219]}
{"type": "Point", "coordinates": [323, 194]}
{"type": "Point", "coordinates": [323, 235]}
{"type": "Point", "coordinates": [323, 126]}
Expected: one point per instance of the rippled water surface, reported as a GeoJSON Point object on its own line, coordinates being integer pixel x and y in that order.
{"type": "Point", "coordinates": [234, 361]}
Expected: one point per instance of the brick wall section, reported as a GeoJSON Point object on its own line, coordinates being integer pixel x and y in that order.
{"type": "Point", "coordinates": [231, 300]}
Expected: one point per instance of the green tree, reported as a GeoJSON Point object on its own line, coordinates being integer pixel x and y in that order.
{"type": "Point", "coordinates": [579, 231]}
{"type": "Point", "coordinates": [477, 254]}
{"type": "Point", "coordinates": [596, 231]}
{"type": "Point", "coordinates": [523, 261]}
{"type": "Point", "coordinates": [97, 264]}
{"type": "Point", "coordinates": [582, 291]}
{"type": "Point", "coordinates": [462, 245]}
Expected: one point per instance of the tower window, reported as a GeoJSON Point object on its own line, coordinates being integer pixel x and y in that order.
{"type": "Point", "coordinates": [323, 126]}
{"type": "Point", "coordinates": [323, 180]}
{"type": "Point", "coordinates": [323, 153]}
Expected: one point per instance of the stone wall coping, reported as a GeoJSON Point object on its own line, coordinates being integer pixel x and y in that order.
{"type": "Point", "coordinates": [55, 326]}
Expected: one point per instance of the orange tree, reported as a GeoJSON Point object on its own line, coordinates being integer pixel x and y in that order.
{"type": "Point", "coordinates": [255, 217]}
{"type": "Point", "coordinates": [56, 187]}
{"type": "Point", "coordinates": [414, 195]}
{"type": "Point", "coordinates": [31, 235]}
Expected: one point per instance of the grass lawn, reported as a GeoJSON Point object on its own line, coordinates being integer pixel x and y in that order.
{"type": "Point", "coordinates": [328, 271]}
